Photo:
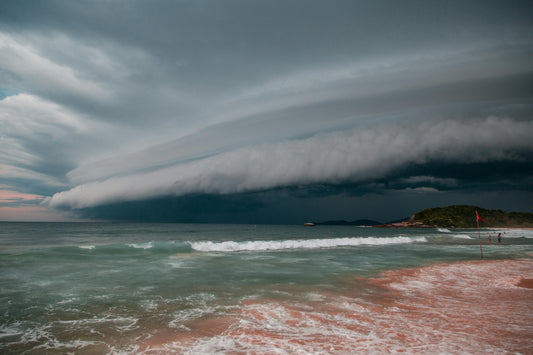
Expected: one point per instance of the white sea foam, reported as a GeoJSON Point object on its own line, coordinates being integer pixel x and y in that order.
{"type": "Point", "coordinates": [444, 230]}
{"type": "Point", "coordinates": [421, 321]}
{"type": "Point", "coordinates": [178, 265]}
{"type": "Point", "coordinates": [68, 300]}
{"type": "Point", "coordinates": [230, 246]}
{"type": "Point", "coordinates": [141, 245]}
{"type": "Point", "coordinates": [185, 315]}
{"type": "Point", "coordinates": [513, 233]}
{"type": "Point", "coordinates": [7, 331]}
{"type": "Point", "coordinates": [88, 247]}
{"type": "Point", "coordinates": [149, 304]}
{"type": "Point", "coordinates": [31, 335]}
{"type": "Point", "coordinates": [121, 324]}
{"type": "Point", "coordinates": [462, 236]}
{"type": "Point", "coordinates": [55, 345]}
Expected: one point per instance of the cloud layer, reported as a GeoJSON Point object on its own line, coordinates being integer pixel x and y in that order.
{"type": "Point", "coordinates": [339, 157]}
{"type": "Point", "coordinates": [104, 102]}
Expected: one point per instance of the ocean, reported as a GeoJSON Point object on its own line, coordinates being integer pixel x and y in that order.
{"type": "Point", "coordinates": [123, 288]}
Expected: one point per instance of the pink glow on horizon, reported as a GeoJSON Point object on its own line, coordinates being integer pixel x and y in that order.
{"type": "Point", "coordinates": [30, 212]}
{"type": "Point", "coordinates": [8, 196]}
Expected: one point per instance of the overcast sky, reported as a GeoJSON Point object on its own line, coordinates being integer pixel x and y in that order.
{"type": "Point", "coordinates": [263, 111]}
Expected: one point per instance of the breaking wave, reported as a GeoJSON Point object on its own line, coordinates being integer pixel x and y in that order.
{"type": "Point", "coordinates": [173, 247]}
{"type": "Point", "coordinates": [144, 246]}
{"type": "Point", "coordinates": [444, 230]}
{"type": "Point", "coordinates": [154, 247]}
{"type": "Point", "coordinates": [462, 236]}
{"type": "Point", "coordinates": [229, 246]}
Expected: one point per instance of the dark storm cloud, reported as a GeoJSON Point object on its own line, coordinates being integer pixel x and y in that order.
{"type": "Point", "coordinates": [356, 156]}
{"type": "Point", "coordinates": [297, 206]}
{"type": "Point", "coordinates": [245, 208]}
{"type": "Point", "coordinates": [477, 98]}
{"type": "Point", "coordinates": [111, 103]}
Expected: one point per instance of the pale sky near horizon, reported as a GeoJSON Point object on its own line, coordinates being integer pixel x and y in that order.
{"type": "Point", "coordinates": [263, 111]}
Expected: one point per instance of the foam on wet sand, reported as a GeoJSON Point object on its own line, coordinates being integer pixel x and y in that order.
{"type": "Point", "coordinates": [465, 307]}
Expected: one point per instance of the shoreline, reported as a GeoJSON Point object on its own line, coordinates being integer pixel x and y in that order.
{"type": "Point", "coordinates": [465, 307]}
{"type": "Point", "coordinates": [401, 225]}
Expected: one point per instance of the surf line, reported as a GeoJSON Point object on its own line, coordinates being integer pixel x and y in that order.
{"type": "Point", "coordinates": [478, 218]}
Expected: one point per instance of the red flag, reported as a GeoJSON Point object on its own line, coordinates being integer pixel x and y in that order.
{"type": "Point", "coordinates": [478, 217]}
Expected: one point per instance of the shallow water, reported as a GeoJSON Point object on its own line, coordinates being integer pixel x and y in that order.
{"type": "Point", "coordinates": [159, 288]}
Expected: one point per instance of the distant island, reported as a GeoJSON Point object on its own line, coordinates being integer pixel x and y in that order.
{"type": "Point", "coordinates": [456, 216]}
{"type": "Point", "coordinates": [464, 216]}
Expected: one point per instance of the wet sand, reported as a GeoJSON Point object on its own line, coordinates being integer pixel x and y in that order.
{"type": "Point", "coordinates": [527, 283]}
{"type": "Point", "coordinates": [467, 307]}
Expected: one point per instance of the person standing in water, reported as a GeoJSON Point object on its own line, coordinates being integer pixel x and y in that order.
{"type": "Point", "coordinates": [499, 238]}
{"type": "Point", "coordinates": [490, 240]}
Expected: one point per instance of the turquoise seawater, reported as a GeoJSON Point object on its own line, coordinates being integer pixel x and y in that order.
{"type": "Point", "coordinates": [106, 287]}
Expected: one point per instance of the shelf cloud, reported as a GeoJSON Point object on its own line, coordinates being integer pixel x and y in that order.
{"type": "Point", "coordinates": [106, 103]}
{"type": "Point", "coordinates": [338, 157]}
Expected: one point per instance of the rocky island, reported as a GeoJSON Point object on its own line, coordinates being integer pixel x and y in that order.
{"type": "Point", "coordinates": [464, 216]}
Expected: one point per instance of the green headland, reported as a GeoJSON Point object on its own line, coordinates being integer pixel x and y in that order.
{"type": "Point", "coordinates": [464, 216]}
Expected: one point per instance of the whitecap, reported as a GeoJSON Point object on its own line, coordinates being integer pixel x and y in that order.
{"type": "Point", "coordinates": [444, 230]}
{"type": "Point", "coordinates": [513, 233]}
{"type": "Point", "coordinates": [141, 245]}
{"type": "Point", "coordinates": [178, 265]}
{"type": "Point", "coordinates": [88, 247]}
{"type": "Point", "coordinates": [231, 246]}
{"type": "Point", "coordinates": [462, 236]}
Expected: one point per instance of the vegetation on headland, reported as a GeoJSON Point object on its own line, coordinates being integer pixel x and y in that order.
{"type": "Point", "coordinates": [464, 216]}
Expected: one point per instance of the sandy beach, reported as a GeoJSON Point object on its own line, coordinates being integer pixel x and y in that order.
{"type": "Point", "coordinates": [465, 307]}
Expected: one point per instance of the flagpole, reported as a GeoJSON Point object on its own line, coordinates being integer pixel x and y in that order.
{"type": "Point", "coordinates": [479, 235]}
